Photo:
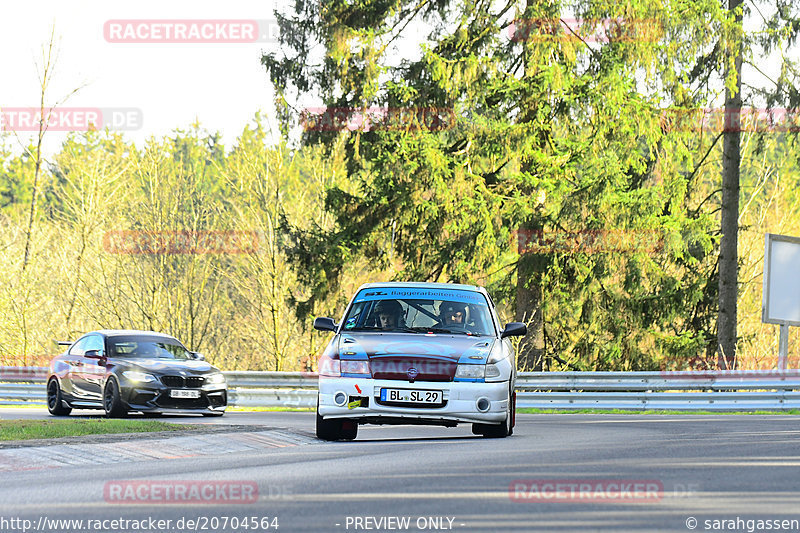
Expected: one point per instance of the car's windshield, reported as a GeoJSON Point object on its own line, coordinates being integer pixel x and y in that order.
{"type": "Point", "coordinates": [415, 310]}
{"type": "Point", "coordinates": [147, 348]}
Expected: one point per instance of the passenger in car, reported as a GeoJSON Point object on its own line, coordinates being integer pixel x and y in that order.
{"type": "Point", "coordinates": [390, 314]}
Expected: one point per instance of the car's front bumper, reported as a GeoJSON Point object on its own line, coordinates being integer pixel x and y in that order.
{"type": "Point", "coordinates": [156, 398]}
{"type": "Point", "coordinates": [460, 401]}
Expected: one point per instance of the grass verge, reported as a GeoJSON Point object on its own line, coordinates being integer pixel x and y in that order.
{"type": "Point", "coordinates": [53, 429]}
{"type": "Point", "coordinates": [651, 412]}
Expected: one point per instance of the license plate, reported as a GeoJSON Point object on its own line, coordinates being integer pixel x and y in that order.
{"type": "Point", "coordinates": [411, 396]}
{"type": "Point", "coordinates": [184, 393]}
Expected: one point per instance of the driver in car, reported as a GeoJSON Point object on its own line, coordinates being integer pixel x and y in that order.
{"type": "Point", "coordinates": [453, 314]}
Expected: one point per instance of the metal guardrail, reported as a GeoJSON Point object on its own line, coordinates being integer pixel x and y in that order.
{"type": "Point", "coordinates": [713, 390]}
{"type": "Point", "coordinates": [733, 390]}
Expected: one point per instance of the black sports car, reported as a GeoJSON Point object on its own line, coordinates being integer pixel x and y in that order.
{"type": "Point", "coordinates": [122, 370]}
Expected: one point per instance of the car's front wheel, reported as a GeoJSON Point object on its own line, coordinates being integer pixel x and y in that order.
{"type": "Point", "coordinates": [55, 403]}
{"type": "Point", "coordinates": [112, 403]}
{"type": "Point", "coordinates": [336, 428]}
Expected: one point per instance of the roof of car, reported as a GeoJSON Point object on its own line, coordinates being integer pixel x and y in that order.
{"type": "Point", "coordinates": [422, 285]}
{"type": "Point", "coordinates": [126, 332]}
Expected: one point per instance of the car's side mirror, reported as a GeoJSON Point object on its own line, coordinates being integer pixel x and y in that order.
{"type": "Point", "coordinates": [323, 323]}
{"type": "Point", "coordinates": [93, 354]}
{"type": "Point", "coordinates": [514, 329]}
{"type": "Point", "coordinates": [197, 356]}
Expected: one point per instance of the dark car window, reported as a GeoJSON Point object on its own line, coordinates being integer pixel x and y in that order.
{"type": "Point", "coordinates": [143, 347]}
{"type": "Point", "coordinates": [420, 311]}
{"type": "Point", "coordinates": [79, 348]}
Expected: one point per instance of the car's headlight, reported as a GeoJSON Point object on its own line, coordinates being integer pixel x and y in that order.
{"type": "Point", "coordinates": [470, 371]}
{"type": "Point", "coordinates": [216, 378]}
{"type": "Point", "coordinates": [355, 367]}
{"type": "Point", "coordinates": [139, 377]}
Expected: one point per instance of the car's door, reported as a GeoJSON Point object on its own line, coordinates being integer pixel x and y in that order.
{"type": "Point", "coordinates": [94, 367]}
{"type": "Point", "coordinates": [74, 385]}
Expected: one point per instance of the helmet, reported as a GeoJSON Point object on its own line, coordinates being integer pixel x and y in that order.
{"type": "Point", "coordinates": [452, 307]}
{"type": "Point", "coordinates": [448, 309]}
{"type": "Point", "coordinates": [389, 307]}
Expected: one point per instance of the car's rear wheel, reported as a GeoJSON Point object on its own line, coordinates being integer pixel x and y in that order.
{"type": "Point", "coordinates": [336, 428]}
{"type": "Point", "coordinates": [55, 402]}
{"type": "Point", "coordinates": [112, 403]}
{"type": "Point", "coordinates": [505, 428]}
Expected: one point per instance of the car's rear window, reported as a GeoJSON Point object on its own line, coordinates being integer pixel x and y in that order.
{"type": "Point", "coordinates": [416, 310]}
{"type": "Point", "coordinates": [147, 348]}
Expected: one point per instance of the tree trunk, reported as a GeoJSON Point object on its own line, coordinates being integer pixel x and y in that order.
{"type": "Point", "coordinates": [728, 249]}
{"type": "Point", "coordinates": [530, 353]}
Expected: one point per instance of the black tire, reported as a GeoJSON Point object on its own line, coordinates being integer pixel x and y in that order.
{"type": "Point", "coordinates": [214, 413]}
{"type": "Point", "coordinates": [55, 402]}
{"type": "Point", "coordinates": [112, 403]}
{"type": "Point", "coordinates": [336, 429]}
{"type": "Point", "coordinates": [503, 429]}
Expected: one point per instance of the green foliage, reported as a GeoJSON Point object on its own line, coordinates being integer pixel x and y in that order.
{"type": "Point", "coordinates": [554, 132]}
{"type": "Point", "coordinates": [119, 244]}
{"type": "Point", "coordinates": [55, 429]}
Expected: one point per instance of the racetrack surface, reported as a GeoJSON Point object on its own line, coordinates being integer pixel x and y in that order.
{"type": "Point", "coordinates": [557, 473]}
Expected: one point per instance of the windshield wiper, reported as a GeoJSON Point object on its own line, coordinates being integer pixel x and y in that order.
{"type": "Point", "coordinates": [422, 329]}
{"type": "Point", "coordinates": [391, 330]}
{"type": "Point", "coordinates": [449, 331]}
{"type": "Point", "coordinates": [406, 330]}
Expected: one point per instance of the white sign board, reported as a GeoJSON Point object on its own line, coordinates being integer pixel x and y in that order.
{"type": "Point", "coordinates": [781, 298]}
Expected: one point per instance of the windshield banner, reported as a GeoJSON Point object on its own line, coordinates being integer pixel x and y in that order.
{"type": "Point", "coordinates": [420, 294]}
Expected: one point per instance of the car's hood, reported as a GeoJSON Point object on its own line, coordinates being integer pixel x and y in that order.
{"type": "Point", "coordinates": [463, 348]}
{"type": "Point", "coordinates": [172, 365]}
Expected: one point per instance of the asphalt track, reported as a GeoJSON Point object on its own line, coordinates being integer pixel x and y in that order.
{"type": "Point", "coordinates": [557, 473]}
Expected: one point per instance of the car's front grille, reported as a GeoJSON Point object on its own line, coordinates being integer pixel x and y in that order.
{"type": "Point", "coordinates": [172, 381]}
{"type": "Point", "coordinates": [412, 368]}
{"type": "Point", "coordinates": [195, 382]}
